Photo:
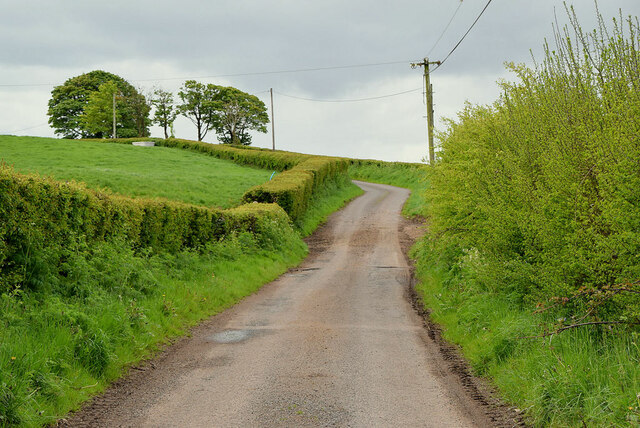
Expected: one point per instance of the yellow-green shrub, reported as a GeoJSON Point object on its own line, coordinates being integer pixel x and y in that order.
{"type": "Point", "coordinates": [37, 212]}
{"type": "Point", "coordinates": [293, 189]}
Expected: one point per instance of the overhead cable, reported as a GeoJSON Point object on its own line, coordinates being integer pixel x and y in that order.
{"type": "Point", "coordinates": [255, 73]}
{"type": "Point", "coordinates": [463, 37]}
{"type": "Point", "coordinates": [349, 100]}
{"type": "Point", "coordinates": [445, 29]}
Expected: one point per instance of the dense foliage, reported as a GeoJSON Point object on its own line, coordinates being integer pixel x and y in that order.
{"type": "Point", "coordinates": [539, 195]}
{"type": "Point", "coordinates": [70, 100]}
{"type": "Point", "coordinates": [531, 261]}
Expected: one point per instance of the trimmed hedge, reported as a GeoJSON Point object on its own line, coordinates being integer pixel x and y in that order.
{"type": "Point", "coordinates": [293, 189]}
{"type": "Point", "coordinates": [258, 157]}
{"type": "Point", "coordinates": [301, 175]}
{"type": "Point", "coordinates": [37, 213]}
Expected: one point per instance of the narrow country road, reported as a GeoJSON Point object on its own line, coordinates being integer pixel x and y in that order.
{"type": "Point", "coordinates": [332, 343]}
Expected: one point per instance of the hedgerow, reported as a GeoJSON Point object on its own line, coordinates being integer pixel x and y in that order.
{"type": "Point", "coordinates": [294, 188]}
{"type": "Point", "coordinates": [301, 175]}
{"type": "Point", "coordinates": [37, 213]}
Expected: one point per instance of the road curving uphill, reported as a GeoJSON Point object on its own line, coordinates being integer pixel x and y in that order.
{"type": "Point", "coordinates": [334, 342]}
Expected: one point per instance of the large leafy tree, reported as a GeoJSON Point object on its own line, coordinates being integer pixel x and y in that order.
{"type": "Point", "coordinates": [137, 109]}
{"type": "Point", "coordinates": [165, 111]}
{"type": "Point", "coordinates": [97, 117]}
{"type": "Point", "coordinates": [131, 113]}
{"type": "Point", "coordinates": [198, 105]}
{"type": "Point", "coordinates": [69, 100]}
{"type": "Point", "coordinates": [227, 110]}
{"type": "Point", "coordinates": [237, 113]}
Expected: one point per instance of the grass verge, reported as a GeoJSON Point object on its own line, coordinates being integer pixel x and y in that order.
{"type": "Point", "coordinates": [112, 307]}
{"type": "Point", "coordinates": [577, 378]}
{"type": "Point", "coordinates": [409, 176]}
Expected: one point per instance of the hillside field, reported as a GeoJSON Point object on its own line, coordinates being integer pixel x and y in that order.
{"type": "Point", "coordinates": [168, 173]}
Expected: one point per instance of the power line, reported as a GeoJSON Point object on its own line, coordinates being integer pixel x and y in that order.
{"type": "Point", "coordinates": [463, 37]}
{"type": "Point", "coordinates": [27, 84]}
{"type": "Point", "coordinates": [256, 73]}
{"type": "Point", "coordinates": [30, 127]}
{"type": "Point", "coordinates": [261, 73]}
{"type": "Point", "coordinates": [445, 29]}
{"type": "Point", "coordinates": [349, 100]}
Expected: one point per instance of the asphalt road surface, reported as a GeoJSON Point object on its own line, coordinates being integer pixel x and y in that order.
{"type": "Point", "coordinates": [334, 342]}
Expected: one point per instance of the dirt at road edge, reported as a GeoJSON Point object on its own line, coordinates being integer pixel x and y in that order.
{"type": "Point", "coordinates": [481, 397]}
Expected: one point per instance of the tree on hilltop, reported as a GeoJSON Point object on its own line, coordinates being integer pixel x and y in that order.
{"type": "Point", "coordinates": [229, 111]}
{"type": "Point", "coordinates": [165, 110]}
{"type": "Point", "coordinates": [198, 105]}
{"type": "Point", "coordinates": [237, 112]}
{"type": "Point", "coordinates": [69, 101]}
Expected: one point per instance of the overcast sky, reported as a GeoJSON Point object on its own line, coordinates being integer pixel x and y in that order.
{"type": "Point", "coordinates": [162, 43]}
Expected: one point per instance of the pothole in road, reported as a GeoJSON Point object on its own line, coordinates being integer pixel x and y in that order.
{"type": "Point", "coordinates": [232, 336]}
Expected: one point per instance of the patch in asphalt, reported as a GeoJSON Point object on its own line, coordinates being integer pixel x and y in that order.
{"type": "Point", "coordinates": [232, 336]}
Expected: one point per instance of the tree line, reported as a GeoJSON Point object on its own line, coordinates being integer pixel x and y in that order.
{"type": "Point", "coordinates": [84, 107]}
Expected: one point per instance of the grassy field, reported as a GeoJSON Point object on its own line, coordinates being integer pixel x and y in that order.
{"type": "Point", "coordinates": [173, 174]}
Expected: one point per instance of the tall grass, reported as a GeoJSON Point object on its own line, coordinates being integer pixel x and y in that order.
{"type": "Point", "coordinates": [111, 307]}
{"type": "Point", "coordinates": [535, 200]}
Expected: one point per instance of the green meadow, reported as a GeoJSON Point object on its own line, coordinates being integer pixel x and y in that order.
{"type": "Point", "coordinates": [150, 172]}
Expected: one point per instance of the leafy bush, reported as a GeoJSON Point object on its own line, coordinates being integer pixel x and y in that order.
{"type": "Point", "coordinates": [534, 215]}
{"type": "Point", "coordinates": [544, 185]}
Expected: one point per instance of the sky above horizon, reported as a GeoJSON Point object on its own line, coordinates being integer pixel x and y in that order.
{"type": "Point", "coordinates": [258, 45]}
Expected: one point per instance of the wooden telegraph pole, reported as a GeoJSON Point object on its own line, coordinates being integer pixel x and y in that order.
{"type": "Point", "coordinates": [273, 134]}
{"type": "Point", "coordinates": [114, 115]}
{"type": "Point", "coordinates": [429, 95]}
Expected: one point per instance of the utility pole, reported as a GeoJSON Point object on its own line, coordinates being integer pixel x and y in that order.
{"type": "Point", "coordinates": [114, 115]}
{"type": "Point", "coordinates": [429, 95]}
{"type": "Point", "coordinates": [273, 134]}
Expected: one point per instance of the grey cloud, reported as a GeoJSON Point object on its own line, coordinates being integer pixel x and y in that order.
{"type": "Point", "coordinates": [145, 39]}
